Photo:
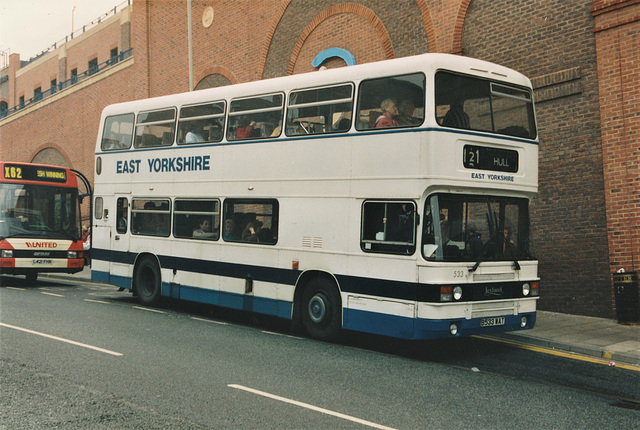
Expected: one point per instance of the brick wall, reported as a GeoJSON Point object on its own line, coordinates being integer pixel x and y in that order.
{"type": "Point", "coordinates": [617, 32]}
{"type": "Point", "coordinates": [553, 43]}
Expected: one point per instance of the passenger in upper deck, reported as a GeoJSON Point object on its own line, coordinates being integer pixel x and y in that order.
{"type": "Point", "coordinates": [406, 114]}
{"type": "Point", "coordinates": [247, 129]}
{"type": "Point", "coordinates": [456, 116]}
{"type": "Point", "coordinates": [389, 110]}
{"type": "Point", "coordinates": [192, 135]}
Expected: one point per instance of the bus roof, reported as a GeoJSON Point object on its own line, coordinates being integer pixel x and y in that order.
{"type": "Point", "coordinates": [429, 63]}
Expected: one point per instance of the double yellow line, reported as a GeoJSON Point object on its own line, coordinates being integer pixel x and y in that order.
{"type": "Point", "coordinates": [571, 355]}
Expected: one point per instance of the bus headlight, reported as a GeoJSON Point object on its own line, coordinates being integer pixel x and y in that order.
{"type": "Point", "coordinates": [7, 253]}
{"type": "Point", "coordinates": [523, 322]}
{"type": "Point", "coordinates": [457, 293]}
{"type": "Point", "coordinates": [72, 254]}
{"type": "Point", "coordinates": [526, 289]}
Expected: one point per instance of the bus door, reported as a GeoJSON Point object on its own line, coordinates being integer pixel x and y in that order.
{"type": "Point", "coordinates": [120, 268]}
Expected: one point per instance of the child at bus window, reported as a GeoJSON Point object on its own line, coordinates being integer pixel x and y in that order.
{"type": "Point", "coordinates": [229, 230]}
{"type": "Point", "coordinates": [203, 229]}
{"type": "Point", "coordinates": [389, 110]}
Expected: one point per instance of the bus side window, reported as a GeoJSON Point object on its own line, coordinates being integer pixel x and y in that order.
{"type": "Point", "coordinates": [389, 226]}
{"type": "Point", "coordinates": [254, 221]}
{"type": "Point", "coordinates": [150, 217]}
{"type": "Point", "coordinates": [405, 92]}
{"type": "Point", "coordinates": [117, 132]}
{"type": "Point", "coordinates": [201, 123]}
{"type": "Point", "coordinates": [122, 215]}
{"type": "Point", "coordinates": [320, 110]}
{"type": "Point", "coordinates": [256, 117]}
{"type": "Point", "coordinates": [156, 128]}
{"type": "Point", "coordinates": [196, 219]}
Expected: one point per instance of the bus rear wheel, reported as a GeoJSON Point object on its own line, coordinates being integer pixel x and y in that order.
{"type": "Point", "coordinates": [321, 310]}
{"type": "Point", "coordinates": [148, 282]}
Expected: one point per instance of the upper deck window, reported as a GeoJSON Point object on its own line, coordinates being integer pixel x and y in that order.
{"type": "Point", "coordinates": [117, 132]}
{"type": "Point", "coordinates": [472, 103]}
{"type": "Point", "coordinates": [155, 128]}
{"type": "Point", "coordinates": [256, 117]}
{"type": "Point", "coordinates": [201, 123]}
{"type": "Point", "coordinates": [320, 110]}
{"type": "Point", "coordinates": [396, 101]}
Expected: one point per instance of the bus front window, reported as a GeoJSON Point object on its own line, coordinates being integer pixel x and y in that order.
{"type": "Point", "coordinates": [49, 212]}
{"type": "Point", "coordinates": [462, 227]}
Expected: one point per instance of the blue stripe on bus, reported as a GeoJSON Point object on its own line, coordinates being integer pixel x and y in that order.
{"type": "Point", "coordinates": [420, 329]}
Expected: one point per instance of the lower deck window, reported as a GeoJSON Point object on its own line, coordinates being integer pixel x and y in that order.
{"type": "Point", "coordinates": [254, 220]}
{"type": "Point", "coordinates": [151, 217]}
{"type": "Point", "coordinates": [389, 227]}
{"type": "Point", "coordinates": [196, 219]}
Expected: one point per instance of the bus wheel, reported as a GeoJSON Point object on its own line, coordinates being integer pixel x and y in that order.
{"type": "Point", "coordinates": [321, 309]}
{"type": "Point", "coordinates": [148, 282]}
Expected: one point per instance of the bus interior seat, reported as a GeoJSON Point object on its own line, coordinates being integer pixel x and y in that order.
{"type": "Point", "coordinates": [373, 118]}
{"type": "Point", "coordinates": [167, 138]}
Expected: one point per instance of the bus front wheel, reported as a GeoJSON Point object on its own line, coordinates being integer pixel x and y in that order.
{"type": "Point", "coordinates": [148, 282]}
{"type": "Point", "coordinates": [321, 310]}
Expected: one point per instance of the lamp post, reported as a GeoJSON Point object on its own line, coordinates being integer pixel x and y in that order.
{"type": "Point", "coordinates": [190, 45]}
{"type": "Point", "coordinates": [72, 14]}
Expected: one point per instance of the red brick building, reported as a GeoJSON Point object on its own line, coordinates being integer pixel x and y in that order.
{"type": "Point", "coordinates": [582, 56]}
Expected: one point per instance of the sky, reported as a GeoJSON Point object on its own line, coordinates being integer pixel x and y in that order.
{"type": "Point", "coordinates": [28, 27]}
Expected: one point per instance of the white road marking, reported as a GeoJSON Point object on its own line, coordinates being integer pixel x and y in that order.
{"type": "Point", "coordinates": [97, 301]}
{"type": "Point", "coordinates": [51, 294]}
{"type": "Point", "coordinates": [148, 310]}
{"type": "Point", "coordinates": [15, 288]}
{"type": "Point", "coordinates": [210, 321]}
{"type": "Point", "coordinates": [60, 339]}
{"type": "Point", "coordinates": [311, 407]}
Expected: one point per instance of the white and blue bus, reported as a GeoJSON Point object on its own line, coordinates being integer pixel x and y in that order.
{"type": "Point", "coordinates": [388, 198]}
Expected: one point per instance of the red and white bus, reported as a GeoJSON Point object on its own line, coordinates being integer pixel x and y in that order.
{"type": "Point", "coordinates": [40, 220]}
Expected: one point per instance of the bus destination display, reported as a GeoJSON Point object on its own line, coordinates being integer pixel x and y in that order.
{"type": "Point", "coordinates": [34, 173]}
{"type": "Point", "coordinates": [484, 158]}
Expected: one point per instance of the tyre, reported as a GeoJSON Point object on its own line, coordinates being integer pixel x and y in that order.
{"type": "Point", "coordinates": [321, 309]}
{"type": "Point", "coordinates": [148, 282]}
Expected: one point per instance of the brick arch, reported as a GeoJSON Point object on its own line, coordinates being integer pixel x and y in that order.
{"type": "Point", "coordinates": [428, 24]}
{"type": "Point", "coordinates": [51, 146]}
{"type": "Point", "coordinates": [218, 70]}
{"type": "Point", "coordinates": [272, 32]}
{"type": "Point", "coordinates": [456, 48]}
{"type": "Point", "coordinates": [353, 8]}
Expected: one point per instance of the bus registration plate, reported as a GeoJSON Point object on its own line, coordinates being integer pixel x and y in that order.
{"type": "Point", "coordinates": [491, 322]}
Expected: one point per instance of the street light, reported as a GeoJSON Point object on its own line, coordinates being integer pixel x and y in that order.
{"type": "Point", "coordinates": [72, 13]}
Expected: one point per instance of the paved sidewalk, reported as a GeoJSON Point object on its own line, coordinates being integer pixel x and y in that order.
{"type": "Point", "coordinates": [590, 336]}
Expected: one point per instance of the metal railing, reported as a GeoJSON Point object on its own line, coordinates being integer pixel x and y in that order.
{"type": "Point", "coordinates": [68, 83]}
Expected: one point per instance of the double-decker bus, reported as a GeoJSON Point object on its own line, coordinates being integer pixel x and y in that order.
{"type": "Point", "coordinates": [40, 220]}
{"type": "Point", "coordinates": [390, 198]}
